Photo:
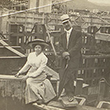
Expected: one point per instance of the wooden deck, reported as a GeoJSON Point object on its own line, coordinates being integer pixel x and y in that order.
{"type": "Point", "coordinates": [78, 107]}
{"type": "Point", "coordinates": [11, 89]}
{"type": "Point", "coordinates": [63, 104]}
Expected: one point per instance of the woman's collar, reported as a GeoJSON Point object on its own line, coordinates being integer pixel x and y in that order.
{"type": "Point", "coordinates": [39, 54]}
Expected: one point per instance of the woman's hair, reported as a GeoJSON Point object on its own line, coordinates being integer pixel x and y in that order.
{"type": "Point", "coordinates": [42, 46]}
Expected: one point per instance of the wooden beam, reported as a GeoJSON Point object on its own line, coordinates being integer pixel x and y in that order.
{"type": "Point", "coordinates": [12, 77]}
{"type": "Point", "coordinates": [46, 107]}
{"type": "Point", "coordinates": [11, 49]}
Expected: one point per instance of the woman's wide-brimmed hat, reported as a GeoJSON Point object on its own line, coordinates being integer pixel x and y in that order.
{"type": "Point", "coordinates": [38, 42]}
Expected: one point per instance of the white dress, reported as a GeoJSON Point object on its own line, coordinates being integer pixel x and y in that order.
{"type": "Point", "coordinates": [37, 87]}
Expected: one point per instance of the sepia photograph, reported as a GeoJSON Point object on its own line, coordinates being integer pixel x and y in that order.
{"type": "Point", "coordinates": [54, 54]}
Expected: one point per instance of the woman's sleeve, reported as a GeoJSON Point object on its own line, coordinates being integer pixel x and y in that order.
{"type": "Point", "coordinates": [25, 67]}
{"type": "Point", "coordinates": [40, 69]}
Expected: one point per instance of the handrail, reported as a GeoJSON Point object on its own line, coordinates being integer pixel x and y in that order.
{"type": "Point", "coordinates": [11, 49]}
{"type": "Point", "coordinates": [51, 40]}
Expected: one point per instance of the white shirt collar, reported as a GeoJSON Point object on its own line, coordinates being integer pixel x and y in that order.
{"type": "Point", "coordinates": [69, 31]}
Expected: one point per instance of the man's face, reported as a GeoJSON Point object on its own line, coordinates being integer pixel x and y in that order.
{"type": "Point", "coordinates": [67, 25]}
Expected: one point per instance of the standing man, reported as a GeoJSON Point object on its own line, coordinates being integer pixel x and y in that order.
{"type": "Point", "coordinates": [70, 48]}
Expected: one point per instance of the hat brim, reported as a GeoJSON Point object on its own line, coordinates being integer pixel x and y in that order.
{"type": "Point", "coordinates": [38, 42]}
{"type": "Point", "coordinates": [65, 21]}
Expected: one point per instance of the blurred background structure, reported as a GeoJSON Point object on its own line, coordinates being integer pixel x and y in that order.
{"type": "Point", "coordinates": [22, 21]}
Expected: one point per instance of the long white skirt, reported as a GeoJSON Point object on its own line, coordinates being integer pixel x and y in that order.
{"type": "Point", "coordinates": [38, 89]}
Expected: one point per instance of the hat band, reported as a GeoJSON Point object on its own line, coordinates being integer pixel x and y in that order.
{"type": "Point", "coordinates": [65, 19]}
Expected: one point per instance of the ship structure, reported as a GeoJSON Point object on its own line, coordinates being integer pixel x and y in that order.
{"type": "Point", "coordinates": [23, 21]}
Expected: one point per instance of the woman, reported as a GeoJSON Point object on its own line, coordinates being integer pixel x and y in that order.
{"type": "Point", "coordinates": [38, 89]}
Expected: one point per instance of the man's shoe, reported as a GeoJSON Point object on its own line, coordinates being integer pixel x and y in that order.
{"type": "Point", "coordinates": [70, 99]}
{"type": "Point", "coordinates": [39, 102]}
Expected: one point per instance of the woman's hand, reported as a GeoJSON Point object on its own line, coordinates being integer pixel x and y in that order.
{"type": "Point", "coordinates": [17, 75]}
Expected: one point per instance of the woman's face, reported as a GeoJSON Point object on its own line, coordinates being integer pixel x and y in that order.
{"type": "Point", "coordinates": [38, 49]}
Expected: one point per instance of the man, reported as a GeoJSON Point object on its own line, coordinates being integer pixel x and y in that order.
{"type": "Point", "coordinates": [70, 49]}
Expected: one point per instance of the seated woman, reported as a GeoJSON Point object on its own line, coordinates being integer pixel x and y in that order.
{"type": "Point", "coordinates": [38, 89]}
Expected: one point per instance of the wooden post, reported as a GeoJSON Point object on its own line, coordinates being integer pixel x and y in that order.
{"type": "Point", "coordinates": [102, 88]}
{"type": "Point", "coordinates": [79, 84]}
